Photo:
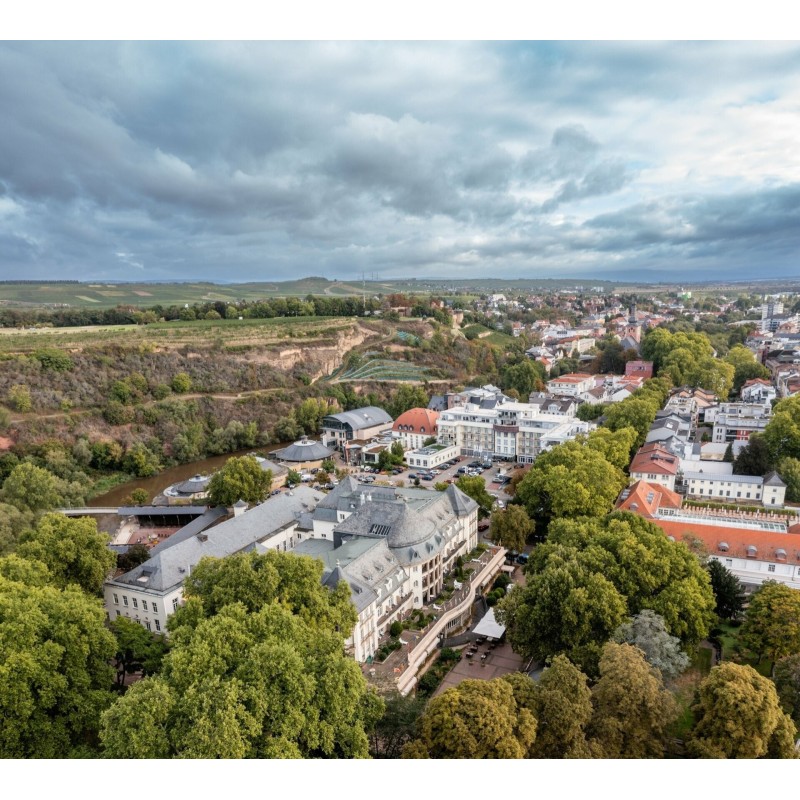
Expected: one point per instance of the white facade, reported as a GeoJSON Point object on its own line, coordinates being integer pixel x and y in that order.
{"type": "Point", "coordinates": [433, 456]}
{"type": "Point", "coordinates": [753, 571]}
{"type": "Point", "coordinates": [512, 431]}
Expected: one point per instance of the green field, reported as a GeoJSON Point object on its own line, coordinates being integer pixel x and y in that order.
{"type": "Point", "coordinates": [381, 369]}
{"type": "Point", "coordinates": [228, 332]}
{"type": "Point", "coordinates": [106, 295]}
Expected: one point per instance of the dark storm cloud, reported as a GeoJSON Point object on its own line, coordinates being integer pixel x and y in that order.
{"type": "Point", "coordinates": [267, 160]}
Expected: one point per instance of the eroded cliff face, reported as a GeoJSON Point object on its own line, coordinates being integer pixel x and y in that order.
{"type": "Point", "coordinates": [318, 357]}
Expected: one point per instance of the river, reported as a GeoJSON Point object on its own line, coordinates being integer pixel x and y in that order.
{"type": "Point", "coordinates": [157, 483]}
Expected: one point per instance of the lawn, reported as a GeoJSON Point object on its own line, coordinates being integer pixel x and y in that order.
{"type": "Point", "coordinates": [733, 651]}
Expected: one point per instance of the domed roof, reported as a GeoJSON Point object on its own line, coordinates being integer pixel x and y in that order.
{"type": "Point", "coordinates": [409, 529]}
{"type": "Point", "coordinates": [304, 450]}
{"type": "Point", "coordinates": [417, 420]}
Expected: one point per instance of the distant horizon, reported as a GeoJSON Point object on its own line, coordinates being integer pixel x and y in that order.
{"type": "Point", "coordinates": [220, 161]}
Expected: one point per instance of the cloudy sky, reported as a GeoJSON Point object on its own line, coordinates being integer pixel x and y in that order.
{"type": "Point", "coordinates": [261, 161]}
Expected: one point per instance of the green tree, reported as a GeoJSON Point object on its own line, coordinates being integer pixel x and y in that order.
{"type": "Point", "coordinates": [12, 523]}
{"type": "Point", "coordinates": [310, 412]}
{"type": "Point", "coordinates": [293, 476]}
{"type": "Point", "coordinates": [634, 412]}
{"type": "Point", "coordinates": [754, 458]}
{"type": "Point", "coordinates": [789, 470]}
{"type": "Point", "coordinates": [53, 359]}
{"type": "Point", "coordinates": [728, 591]}
{"type": "Point", "coordinates": [745, 366]}
{"type": "Point", "coordinates": [396, 727]}
{"type": "Point", "coordinates": [140, 497]}
{"type": "Point", "coordinates": [511, 527]}
{"type": "Point", "coordinates": [398, 454]}
{"type": "Point", "coordinates": [252, 580]}
{"type": "Point", "coordinates": [772, 623]}
{"type": "Point", "coordinates": [263, 678]}
{"type": "Point", "coordinates": [54, 670]}
{"type": "Point", "coordinates": [527, 376]}
{"type": "Point", "coordinates": [648, 632]}
{"type": "Point", "coordinates": [782, 434]}
{"type": "Point", "coordinates": [570, 481]}
{"type": "Point", "coordinates": [240, 479]}
{"type": "Point", "coordinates": [632, 709]}
{"type": "Point", "coordinates": [561, 702]}
{"type": "Point", "coordinates": [72, 549]}
{"type": "Point", "coordinates": [476, 719]}
{"type": "Point", "coordinates": [738, 716]}
{"type": "Point", "coordinates": [475, 487]}
{"type": "Point", "coordinates": [591, 574]}
{"type": "Point", "coordinates": [405, 398]}
{"type": "Point", "coordinates": [135, 555]}
{"type": "Point", "coordinates": [786, 676]}
{"type": "Point", "coordinates": [32, 488]}
{"type": "Point", "coordinates": [138, 650]}
{"type": "Point", "coordinates": [141, 461]}
{"type": "Point", "coordinates": [19, 396]}
{"type": "Point", "coordinates": [181, 383]}
{"type": "Point", "coordinates": [615, 446]}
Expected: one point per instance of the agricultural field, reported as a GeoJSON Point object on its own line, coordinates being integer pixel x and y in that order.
{"type": "Point", "coordinates": [108, 295]}
{"type": "Point", "coordinates": [381, 370]}
{"type": "Point", "coordinates": [178, 333]}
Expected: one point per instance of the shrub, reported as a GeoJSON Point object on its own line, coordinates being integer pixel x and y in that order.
{"type": "Point", "coordinates": [181, 383]}
{"type": "Point", "coordinates": [396, 628]}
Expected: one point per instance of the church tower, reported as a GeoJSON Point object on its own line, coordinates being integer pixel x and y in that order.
{"type": "Point", "coordinates": [633, 328]}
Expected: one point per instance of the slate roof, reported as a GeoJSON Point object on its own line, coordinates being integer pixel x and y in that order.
{"type": "Point", "coordinates": [304, 450]}
{"type": "Point", "coordinates": [168, 568]}
{"type": "Point", "coordinates": [361, 418]}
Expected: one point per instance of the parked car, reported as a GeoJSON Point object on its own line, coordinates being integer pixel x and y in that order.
{"type": "Point", "coordinates": [274, 492]}
{"type": "Point", "coordinates": [483, 525]}
{"type": "Point", "coordinates": [397, 471]}
{"type": "Point", "coordinates": [412, 476]}
{"type": "Point", "coordinates": [522, 558]}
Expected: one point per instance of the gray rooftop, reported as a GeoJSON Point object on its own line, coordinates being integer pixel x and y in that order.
{"type": "Point", "coordinates": [304, 450]}
{"type": "Point", "coordinates": [361, 418]}
{"type": "Point", "coordinates": [170, 566]}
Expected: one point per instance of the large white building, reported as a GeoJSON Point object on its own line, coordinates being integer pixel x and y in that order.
{"type": "Point", "coordinates": [508, 430]}
{"type": "Point", "coordinates": [742, 489]}
{"type": "Point", "coordinates": [392, 546]}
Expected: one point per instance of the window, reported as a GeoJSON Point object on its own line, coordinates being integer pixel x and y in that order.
{"type": "Point", "coordinates": [155, 610]}
{"type": "Point", "coordinates": [147, 625]}
{"type": "Point", "coordinates": [116, 600]}
{"type": "Point", "coordinates": [135, 602]}
{"type": "Point", "coordinates": [158, 625]}
{"type": "Point", "coordinates": [729, 562]}
{"type": "Point", "coordinates": [174, 603]}
{"type": "Point", "coordinates": [144, 604]}
{"type": "Point", "coordinates": [119, 613]}
{"type": "Point", "coordinates": [771, 568]}
{"type": "Point", "coordinates": [125, 599]}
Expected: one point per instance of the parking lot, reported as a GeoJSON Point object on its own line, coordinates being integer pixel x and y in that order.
{"type": "Point", "coordinates": [449, 473]}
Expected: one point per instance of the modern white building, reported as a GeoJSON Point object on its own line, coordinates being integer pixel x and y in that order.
{"type": "Point", "coordinates": [432, 456]}
{"type": "Point", "coordinates": [508, 430]}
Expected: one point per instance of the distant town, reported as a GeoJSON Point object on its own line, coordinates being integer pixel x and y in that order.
{"type": "Point", "coordinates": [429, 504]}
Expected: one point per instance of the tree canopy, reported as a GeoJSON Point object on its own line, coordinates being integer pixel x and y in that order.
{"type": "Point", "coordinates": [786, 676]}
{"type": "Point", "coordinates": [511, 527]}
{"type": "Point", "coordinates": [647, 631]}
{"type": "Point", "coordinates": [632, 709]}
{"type": "Point", "coordinates": [772, 623]}
{"type": "Point", "coordinates": [54, 670]}
{"type": "Point", "coordinates": [240, 479]}
{"type": "Point", "coordinates": [591, 574]}
{"type": "Point", "coordinates": [73, 550]}
{"type": "Point", "coordinates": [475, 487]}
{"type": "Point", "coordinates": [476, 719]}
{"type": "Point", "coordinates": [738, 716]}
{"type": "Point", "coordinates": [570, 481]}
{"type": "Point", "coordinates": [257, 669]}
{"type": "Point", "coordinates": [728, 591]}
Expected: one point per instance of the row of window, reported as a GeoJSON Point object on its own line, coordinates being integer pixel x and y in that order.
{"type": "Point", "coordinates": [146, 622]}
{"type": "Point", "coordinates": [135, 601]}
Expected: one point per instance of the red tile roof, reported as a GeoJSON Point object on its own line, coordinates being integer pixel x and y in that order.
{"type": "Point", "coordinates": [645, 499]}
{"type": "Point", "coordinates": [655, 459]}
{"type": "Point", "coordinates": [414, 420]}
